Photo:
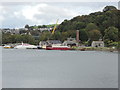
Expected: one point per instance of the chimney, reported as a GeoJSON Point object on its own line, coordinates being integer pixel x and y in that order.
{"type": "Point", "coordinates": [77, 36]}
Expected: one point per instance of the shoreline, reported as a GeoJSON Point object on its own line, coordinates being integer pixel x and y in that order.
{"type": "Point", "coordinates": [107, 49]}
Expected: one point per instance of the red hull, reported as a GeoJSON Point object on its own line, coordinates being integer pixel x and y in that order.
{"type": "Point", "coordinates": [57, 48]}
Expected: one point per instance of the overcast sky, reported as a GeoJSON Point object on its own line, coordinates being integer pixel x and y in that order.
{"type": "Point", "coordinates": [16, 15]}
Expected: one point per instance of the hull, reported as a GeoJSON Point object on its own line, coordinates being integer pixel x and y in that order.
{"type": "Point", "coordinates": [58, 48]}
{"type": "Point", "coordinates": [7, 47]}
{"type": "Point", "coordinates": [26, 47]}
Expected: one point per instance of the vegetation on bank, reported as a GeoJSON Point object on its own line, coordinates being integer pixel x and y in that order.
{"type": "Point", "coordinates": [98, 25]}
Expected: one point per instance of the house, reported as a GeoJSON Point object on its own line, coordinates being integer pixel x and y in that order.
{"type": "Point", "coordinates": [43, 44]}
{"type": "Point", "coordinates": [54, 42]}
{"type": "Point", "coordinates": [97, 44]}
{"type": "Point", "coordinates": [70, 42]}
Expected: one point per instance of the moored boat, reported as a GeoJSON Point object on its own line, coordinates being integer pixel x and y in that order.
{"type": "Point", "coordinates": [7, 46]}
{"type": "Point", "coordinates": [58, 48]}
{"type": "Point", "coordinates": [25, 46]}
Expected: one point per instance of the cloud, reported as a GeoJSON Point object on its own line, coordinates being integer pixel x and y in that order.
{"type": "Point", "coordinates": [2, 12]}
{"type": "Point", "coordinates": [19, 14]}
{"type": "Point", "coordinates": [44, 13]}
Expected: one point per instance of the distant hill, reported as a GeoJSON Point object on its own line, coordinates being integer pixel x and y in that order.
{"type": "Point", "coordinates": [110, 16]}
{"type": "Point", "coordinates": [41, 26]}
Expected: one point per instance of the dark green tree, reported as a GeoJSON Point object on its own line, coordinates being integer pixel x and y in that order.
{"type": "Point", "coordinates": [27, 26]}
{"type": "Point", "coordinates": [90, 27]}
{"type": "Point", "coordinates": [109, 8]}
{"type": "Point", "coordinates": [111, 33]}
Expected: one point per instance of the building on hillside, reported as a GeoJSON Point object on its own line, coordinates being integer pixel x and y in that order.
{"type": "Point", "coordinates": [97, 44]}
{"type": "Point", "coordinates": [44, 29]}
{"type": "Point", "coordinates": [54, 42]}
{"type": "Point", "coordinates": [11, 31]}
{"type": "Point", "coordinates": [70, 42]}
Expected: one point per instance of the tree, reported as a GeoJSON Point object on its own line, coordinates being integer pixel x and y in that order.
{"type": "Point", "coordinates": [56, 36]}
{"type": "Point", "coordinates": [109, 8]}
{"type": "Point", "coordinates": [35, 33]}
{"type": "Point", "coordinates": [90, 27]}
{"type": "Point", "coordinates": [45, 36]}
{"type": "Point", "coordinates": [94, 35]}
{"type": "Point", "coordinates": [111, 33]}
{"type": "Point", "coordinates": [93, 32]}
{"type": "Point", "coordinates": [44, 26]}
{"type": "Point", "coordinates": [83, 35]}
{"type": "Point", "coordinates": [27, 26]}
{"type": "Point", "coordinates": [64, 36]}
{"type": "Point", "coordinates": [78, 25]}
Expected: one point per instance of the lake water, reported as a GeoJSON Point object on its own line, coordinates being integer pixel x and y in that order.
{"type": "Point", "coordinates": [59, 69]}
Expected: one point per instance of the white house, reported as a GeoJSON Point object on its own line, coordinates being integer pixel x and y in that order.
{"type": "Point", "coordinates": [97, 44]}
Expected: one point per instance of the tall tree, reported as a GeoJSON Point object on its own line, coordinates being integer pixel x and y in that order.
{"type": "Point", "coordinates": [109, 8]}
{"type": "Point", "coordinates": [111, 33]}
{"type": "Point", "coordinates": [91, 26]}
{"type": "Point", "coordinates": [27, 26]}
{"type": "Point", "coordinates": [94, 35]}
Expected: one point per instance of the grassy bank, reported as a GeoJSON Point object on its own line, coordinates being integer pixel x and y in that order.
{"type": "Point", "coordinates": [111, 49]}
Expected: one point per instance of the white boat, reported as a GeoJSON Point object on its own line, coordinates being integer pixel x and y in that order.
{"type": "Point", "coordinates": [25, 46]}
{"type": "Point", "coordinates": [7, 46]}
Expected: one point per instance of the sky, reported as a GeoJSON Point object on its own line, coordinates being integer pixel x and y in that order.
{"type": "Point", "coordinates": [18, 14]}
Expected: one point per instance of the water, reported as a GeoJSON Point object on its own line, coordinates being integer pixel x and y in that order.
{"type": "Point", "coordinates": [0, 67]}
{"type": "Point", "coordinates": [59, 69]}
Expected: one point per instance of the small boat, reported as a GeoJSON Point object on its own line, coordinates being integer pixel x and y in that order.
{"type": "Point", "coordinates": [58, 48]}
{"type": "Point", "coordinates": [7, 46]}
{"type": "Point", "coordinates": [25, 46]}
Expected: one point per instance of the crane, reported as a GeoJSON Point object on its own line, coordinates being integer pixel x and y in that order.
{"type": "Point", "coordinates": [55, 27]}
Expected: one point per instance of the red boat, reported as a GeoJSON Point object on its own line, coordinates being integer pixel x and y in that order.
{"type": "Point", "coordinates": [58, 48]}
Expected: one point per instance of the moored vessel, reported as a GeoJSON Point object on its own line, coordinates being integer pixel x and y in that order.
{"type": "Point", "coordinates": [7, 46]}
{"type": "Point", "coordinates": [25, 46]}
{"type": "Point", "coordinates": [58, 48]}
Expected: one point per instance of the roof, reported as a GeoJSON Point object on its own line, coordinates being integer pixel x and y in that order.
{"type": "Point", "coordinates": [54, 41]}
{"type": "Point", "coordinates": [97, 42]}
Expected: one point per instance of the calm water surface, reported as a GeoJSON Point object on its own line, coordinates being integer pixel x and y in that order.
{"type": "Point", "coordinates": [59, 69]}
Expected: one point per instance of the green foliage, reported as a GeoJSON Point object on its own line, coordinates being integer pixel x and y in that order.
{"type": "Point", "coordinates": [90, 27]}
{"type": "Point", "coordinates": [94, 35]}
{"type": "Point", "coordinates": [45, 36]}
{"type": "Point", "coordinates": [111, 33]}
{"type": "Point", "coordinates": [83, 35]}
{"type": "Point", "coordinates": [23, 31]}
{"type": "Point", "coordinates": [8, 38]}
{"type": "Point", "coordinates": [109, 43]}
{"type": "Point", "coordinates": [78, 25]}
{"type": "Point", "coordinates": [98, 21]}
{"type": "Point", "coordinates": [56, 36]}
{"type": "Point", "coordinates": [27, 26]}
{"type": "Point", "coordinates": [35, 33]}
